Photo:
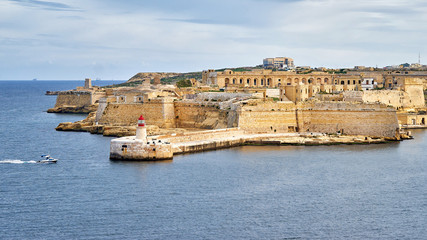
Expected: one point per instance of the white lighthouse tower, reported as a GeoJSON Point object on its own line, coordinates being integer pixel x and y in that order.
{"type": "Point", "coordinates": [141, 130]}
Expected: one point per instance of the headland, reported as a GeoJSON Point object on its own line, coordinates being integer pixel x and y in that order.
{"type": "Point", "coordinates": [254, 106]}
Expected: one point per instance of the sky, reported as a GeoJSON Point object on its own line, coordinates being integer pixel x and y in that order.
{"type": "Point", "coordinates": [113, 40]}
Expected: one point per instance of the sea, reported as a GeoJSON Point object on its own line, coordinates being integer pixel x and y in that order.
{"type": "Point", "coordinates": [253, 192]}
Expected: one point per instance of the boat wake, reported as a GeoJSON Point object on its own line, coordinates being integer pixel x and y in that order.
{"type": "Point", "coordinates": [13, 161]}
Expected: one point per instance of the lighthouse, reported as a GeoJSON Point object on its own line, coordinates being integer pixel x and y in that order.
{"type": "Point", "coordinates": [141, 131]}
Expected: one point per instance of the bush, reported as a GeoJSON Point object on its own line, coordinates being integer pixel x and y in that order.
{"type": "Point", "coordinates": [184, 83]}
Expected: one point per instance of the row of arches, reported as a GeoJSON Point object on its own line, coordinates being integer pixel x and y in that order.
{"type": "Point", "coordinates": [289, 81]}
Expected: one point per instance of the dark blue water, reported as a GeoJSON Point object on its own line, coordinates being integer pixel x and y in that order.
{"type": "Point", "coordinates": [333, 192]}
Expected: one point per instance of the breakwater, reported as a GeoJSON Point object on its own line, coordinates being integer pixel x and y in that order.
{"type": "Point", "coordinates": [166, 146]}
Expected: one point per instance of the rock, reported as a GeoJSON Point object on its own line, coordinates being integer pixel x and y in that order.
{"type": "Point", "coordinates": [87, 109]}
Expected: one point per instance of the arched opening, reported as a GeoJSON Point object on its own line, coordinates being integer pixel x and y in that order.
{"type": "Point", "coordinates": [348, 82]}
{"type": "Point", "coordinates": [227, 81]}
{"type": "Point", "coordinates": [319, 81]}
{"type": "Point", "coordinates": [296, 80]}
{"type": "Point", "coordinates": [255, 81]}
{"type": "Point", "coordinates": [342, 82]}
{"type": "Point", "coordinates": [241, 81]}
{"type": "Point", "coordinates": [248, 81]}
{"type": "Point", "coordinates": [234, 81]}
{"type": "Point", "coordinates": [269, 82]}
{"type": "Point", "coordinates": [326, 81]}
{"type": "Point", "coordinates": [423, 121]}
{"type": "Point", "coordinates": [262, 81]}
{"type": "Point", "coordinates": [289, 81]}
{"type": "Point", "coordinates": [303, 80]}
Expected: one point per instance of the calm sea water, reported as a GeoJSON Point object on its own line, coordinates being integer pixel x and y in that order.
{"type": "Point", "coordinates": [277, 192]}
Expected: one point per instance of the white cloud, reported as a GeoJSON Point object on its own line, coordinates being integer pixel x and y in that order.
{"type": "Point", "coordinates": [123, 38]}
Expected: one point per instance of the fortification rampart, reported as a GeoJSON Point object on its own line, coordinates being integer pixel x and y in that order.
{"type": "Point", "coordinates": [324, 117]}
{"type": "Point", "coordinates": [74, 99]}
{"type": "Point", "coordinates": [374, 120]}
{"type": "Point", "coordinates": [158, 112]}
{"type": "Point", "coordinates": [204, 115]}
{"type": "Point", "coordinates": [260, 117]}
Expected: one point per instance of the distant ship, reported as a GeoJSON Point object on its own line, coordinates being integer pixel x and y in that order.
{"type": "Point", "coordinates": [34, 79]}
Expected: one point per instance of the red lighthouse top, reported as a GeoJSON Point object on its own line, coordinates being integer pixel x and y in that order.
{"type": "Point", "coordinates": [141, 121]}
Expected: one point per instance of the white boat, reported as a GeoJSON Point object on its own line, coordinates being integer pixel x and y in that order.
{"type": "Point", "coordinates": [47, 159]}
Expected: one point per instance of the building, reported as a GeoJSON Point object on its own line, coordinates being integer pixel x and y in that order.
{"type": "Point", "coordinates": [368, 84]}
{"type": "Point", "coordinates": [278, 63]}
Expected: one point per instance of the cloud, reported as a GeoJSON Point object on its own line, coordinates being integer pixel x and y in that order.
{"type": "Point", "coordinates": [197, 21]}
{"type": "Point", "coordinates": [54, 6]}
{"type": "Point", "coordinates": [124, 37]}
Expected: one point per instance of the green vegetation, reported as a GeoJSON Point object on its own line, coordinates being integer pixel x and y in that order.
{"type": "Point", "coordinates": [341, 71]}
{"type": "Point", "coordinates": [184, 83]}
{"type": "Point", "coordinates": [305, 71]}
{"type": "Point", "coordinates": [125, 84]}
{"type": "Point", "coordinates": [182, 76]}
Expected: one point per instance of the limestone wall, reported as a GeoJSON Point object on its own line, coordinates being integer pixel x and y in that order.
{"type": "Point", "coordinates": [78, 99]}
{"type": "Point", "coordinates": [412, 119]}
{"type": "Point", "coordinates": [159, 112]}
{"type": "Point", "coordinates": [258, 116]}
{"type": "Point", "coordinates": [206, 115]}
{"type": "Point", "coordinates": [324, 117]}
{"type": "Point", "coordinates": [394, 98]}
{"type": "Point", "coordinates": [202, 136]}
{"type": "Point", "coordinates": [415, 93]}
{"type": "Point", "coordinates": [130, 149]}
{"type": "Point", "coordinates": [348, 118]}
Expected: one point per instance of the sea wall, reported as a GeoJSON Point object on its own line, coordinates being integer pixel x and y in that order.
{"type": "Point", "coordinates": [75, 102]}
{"type": "Point", "coordinates": [324, 117]}
{"type": "Point", "coordinates": [375, 120]}
{"type": "Point", "coordinates": [73, 99]}
{"type": "Point", "coordinates": [202, 136]}
{"type": "Point", "coordinates": [159, 112]}
{"type": "Point", "coordinates": [258, 116]}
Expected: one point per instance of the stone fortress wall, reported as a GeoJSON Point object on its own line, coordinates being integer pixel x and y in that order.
{"type": "Point", "coordinates": [325, 117]}
{"type": "Point", "coordinates": [74, 99]}
{"type": "Point", "coordinates": [159, 112]}
{"type": "Point", "coordinates": [410, 95]}
{"type": "Point", "coordinates": [348, 118]}
{"type": "Point", "coordinates": [260, 117]}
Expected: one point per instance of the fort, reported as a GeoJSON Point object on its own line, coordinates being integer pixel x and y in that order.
{"type": "Point", "coordinates": [228, 108]}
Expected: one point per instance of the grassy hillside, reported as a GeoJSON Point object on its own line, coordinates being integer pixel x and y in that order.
{"type": "Point", "coordinates": [171, 78]}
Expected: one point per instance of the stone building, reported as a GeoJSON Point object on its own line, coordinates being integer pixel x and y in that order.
{"type": "Point", "coordinates": [278, 63]}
